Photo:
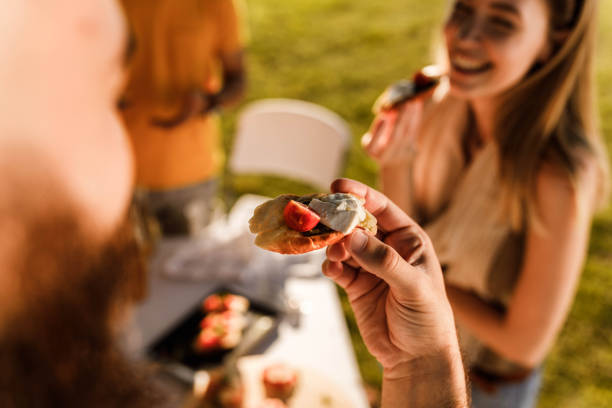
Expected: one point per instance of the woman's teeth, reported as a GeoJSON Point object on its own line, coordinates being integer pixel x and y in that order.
{"type": "Point", "coordinates": [467, 64]}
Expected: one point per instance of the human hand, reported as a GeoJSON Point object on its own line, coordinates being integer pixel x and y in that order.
{"type": "Point", "coordinates": [395, 286]}
{"type": "Point", "coordinates": [195, 103]}
{"type": "Point", "coordinates": [392, 136]}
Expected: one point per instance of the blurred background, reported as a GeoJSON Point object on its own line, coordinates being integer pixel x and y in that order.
{"type": "Point", "coordinates": [341, 54]}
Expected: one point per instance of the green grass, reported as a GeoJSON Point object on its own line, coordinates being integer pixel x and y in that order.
{"type": "Point", "coordinates": [341, 54]}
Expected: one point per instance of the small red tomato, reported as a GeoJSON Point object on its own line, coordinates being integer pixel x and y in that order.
{"type": "Point", "coordinates": [279, 381]}
{"type": "Point", "coordinates": [231, 320]}
{"type": "Point", "coordinates": [299, 217]}
{"type": "Point", "coordinates": [230, 339]}
{"type": "Point", "coordinates": [213, 303]}
{"type": "Point", "coordinates": [236, 303]}
{"type": "Point", "coordinates": [208, 339]}
{"type": "Point", "coordinates": [213, 321]}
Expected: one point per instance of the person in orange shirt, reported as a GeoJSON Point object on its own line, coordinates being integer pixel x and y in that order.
{"type": "Point", "coordinates": [187, 63]}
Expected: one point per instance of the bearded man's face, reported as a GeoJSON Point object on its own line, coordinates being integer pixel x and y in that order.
{"type": "Point", "coordinates": [57, 346]}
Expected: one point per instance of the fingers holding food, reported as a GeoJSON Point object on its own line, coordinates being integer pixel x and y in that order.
{"type": "Point", "coordinates": [402, 140]}
{"type": "Point", "coordinates": [399, 92]}
{"type": "Point", "coordinates": [400, 231]}
{"type": "Point", "coordinates": [376, 140]}
{"type": "Point", "coordinates": [399, 110]}
{"type": "Point", "coordinates": [388, 215]}
{"type": "Point", "coordinates": [337, 252]}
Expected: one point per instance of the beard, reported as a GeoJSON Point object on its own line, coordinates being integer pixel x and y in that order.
{"type": "Point", "coordinates": [57, 347]}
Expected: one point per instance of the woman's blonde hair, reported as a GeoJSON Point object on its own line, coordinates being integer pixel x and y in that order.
{"type": "Point", "coordinates": [551, 116]}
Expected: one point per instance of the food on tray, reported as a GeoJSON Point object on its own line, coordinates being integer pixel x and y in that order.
{"type": "Point", "coordinates": [220, 331]}
{"type": "Point", "coordinates": [401, 91]}
{"type": "Point", "coordinates": [290, 224]}
{"type": "Point", "coordinates": [221, 328]}
{"type": "Point", "coordinates": [222, 302]}
{"type": "Point", "coordinates": [236, 303]}
{"type": "Point", "coordinates": [213, 303]}
{"type": "Point", "coordinates": [271, 403]}
{"type": "Point", "coordinates": [211, 340]}
{"type": "Point", "coordinates": [208, 340]}
{"type": "Point", "coordinates": [226, 321]}
{"type": "Point", "coordinates": [279, 381]}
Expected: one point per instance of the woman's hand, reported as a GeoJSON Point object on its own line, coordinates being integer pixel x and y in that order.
{"type": "Point", "coordinates": [195, 103]}
{"type": "Point", "coordinates": [395, 286]}
{"type": "Point", "coordinates": [392, 136]}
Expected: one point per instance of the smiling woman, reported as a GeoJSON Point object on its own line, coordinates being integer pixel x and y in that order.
{"type": "Point", "coordinates": [507, 184]}
{"type": "Point", "coordinates": [491, 48]}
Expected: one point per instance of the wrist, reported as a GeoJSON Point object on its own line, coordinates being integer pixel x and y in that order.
{"type": "Point", "coordinates": [429, 381]}
{"type": "Point", "coordinates": [443, 360]}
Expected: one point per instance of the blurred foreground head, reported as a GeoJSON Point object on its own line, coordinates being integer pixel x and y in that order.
{"type": "Point", "coordinates": [60, 73]}
{"type": "Point", "coordinates": [65, 262]}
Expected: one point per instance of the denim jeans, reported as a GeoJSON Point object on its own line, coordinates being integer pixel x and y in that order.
{"type": "Point", "coordinates": [182, 211]}
{"type": "Point", "coordinates": [523, 394]}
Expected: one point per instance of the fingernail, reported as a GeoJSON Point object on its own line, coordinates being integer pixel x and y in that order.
{"type": "Point", "coordinates": [328, 269]}
{"type": "Point", "coordinates": [366, 139]}
{"type": "Point", "coordinates": [358, 241]}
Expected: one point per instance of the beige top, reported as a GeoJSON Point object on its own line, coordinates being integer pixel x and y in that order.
{"type": "Point", "coordinates": [474, 241]}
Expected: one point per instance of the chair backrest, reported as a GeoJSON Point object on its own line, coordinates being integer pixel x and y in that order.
{"type": "Point", "coordinates": [290, 138]}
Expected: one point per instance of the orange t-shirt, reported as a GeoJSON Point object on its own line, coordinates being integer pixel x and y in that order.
{"type": "Point", "coordinates": [178, 48]}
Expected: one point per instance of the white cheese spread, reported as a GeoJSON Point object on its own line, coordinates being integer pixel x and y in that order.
{"type": "Point", "coordinates": [340, 212]}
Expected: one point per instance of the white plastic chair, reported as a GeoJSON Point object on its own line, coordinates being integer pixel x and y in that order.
{"type": "Point", "coordinates": [290, 138]}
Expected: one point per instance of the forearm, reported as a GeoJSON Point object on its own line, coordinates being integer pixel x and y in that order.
{"type": "Point", "coordinates": [395, 183]}
{"type": "Point", "coordinates": [234, 79]}
{"type": "Point", "coordinates": [487, 324]}
{"type": "Point", "coordinates": [233, 89]}
{"type": "Point", "coordinates": [436, 382]}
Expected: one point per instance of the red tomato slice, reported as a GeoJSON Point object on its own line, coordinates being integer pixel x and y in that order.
{"type": "Point", "coordinates": [299, 217]}
{"type": "Point", "coordinates": [208, 339]}
{"type": "Point", "coordinates": [213, 303]}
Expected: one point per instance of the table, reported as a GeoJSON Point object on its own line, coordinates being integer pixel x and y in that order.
{"type": "Point", "coordinates": [321, 341]}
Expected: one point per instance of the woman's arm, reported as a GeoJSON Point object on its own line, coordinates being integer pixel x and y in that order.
{"type": "Point", "coordinates": [395, 182]}
{"type": "Point", "coordinates": [548, 279]}
{"type": "Point", "coordinates": [234, 79]}
{"type": "Point", "coordinates": [391, 141]}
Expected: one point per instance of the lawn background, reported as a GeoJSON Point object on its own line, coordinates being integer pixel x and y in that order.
{"type": "Point", "coordinates": [341, 54]}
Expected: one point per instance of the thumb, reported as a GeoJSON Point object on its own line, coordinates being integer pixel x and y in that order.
{"type": "Point", "coordinates": [380, 259]}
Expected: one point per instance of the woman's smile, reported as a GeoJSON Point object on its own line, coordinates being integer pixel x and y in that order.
{"type": "Point", "coordinates": [468, 65]}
